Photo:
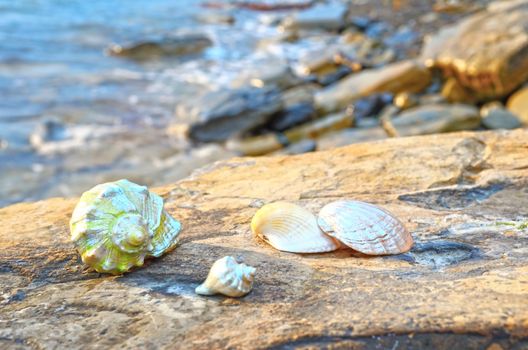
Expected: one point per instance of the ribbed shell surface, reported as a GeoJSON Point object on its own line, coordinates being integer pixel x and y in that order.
{"type": "Point", "coordinates": [291, 228]}
{"type": "Point", "coordinates": [364, 227]}
{"type": "Point", "coordinates": [100, 208]}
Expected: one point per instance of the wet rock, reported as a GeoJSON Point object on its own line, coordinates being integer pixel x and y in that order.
{"type": "Point", "coordinates": [377, 30]}
{"type": "Point", "coordinates": [219, 115]}
{"type": "Point", "coordinates": [485, 52]}
{"type": "Point", "coordinates": [394, 78]}
{"type": "Point", "coordinates": [370, 105]}
{"type": "Point", "coordinates": [274, 73]}
{"type": "Point", "coordinates": [299, 94]}
{"type": "Point", "coordinates": [403, 39]}
{"type": "Point", "coordinates": [322, 16]}
{"type": "Point", "coordinates": [495, 116]}
{"type": "Point", "coordinates": [518, 104]}
{"type": "Point", "coordinates": [360, 22]}
{"type": "Point", "coordinates": [50, 130]}
{"type": "Point", "coordinates": [215, 17]}
{"type": "Point", "coordinates": [292, 116]}
{"type": "Point", "coordinates": [263, 5]}
{"type": "Point", "coordinates": [267, 143]}
{"type": "Point", "coordinates": [461, 290]}
{"type": "Point", "coordinates": [176, 46]}
{"type": "Point", "coordinates": [433, 119]}
{"type": "Point", "coordinates": [318, 63]}
{"type": "Point", "coordinates": [350, 136]}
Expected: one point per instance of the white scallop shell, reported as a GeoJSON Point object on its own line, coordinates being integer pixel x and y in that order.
{"type": "Point", "coordinates": [228, 277]}
{"type": "Point", "coordinates": [365, 227]}
{"type": "Point", "coordinates": [291, 228]}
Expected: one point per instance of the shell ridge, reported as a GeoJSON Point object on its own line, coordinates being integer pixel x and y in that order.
{"type": "Point", "coordinates": [365, 227]}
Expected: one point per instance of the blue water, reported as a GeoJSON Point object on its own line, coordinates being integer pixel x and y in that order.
{"type": "Point", "coordinates": [52, 56]}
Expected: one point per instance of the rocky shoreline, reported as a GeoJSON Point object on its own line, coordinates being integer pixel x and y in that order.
{"type": "Point", "coordinates": [328, 74]}
{"type": "Point", "coordinates": [463, 285]}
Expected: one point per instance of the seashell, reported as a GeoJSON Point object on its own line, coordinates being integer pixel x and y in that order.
{"type": "Point", "coordinates": [116, 225]}
{"type": "Point", "coordinates": [228, 277]}
{"type": "Point", "coordinates": [290, 228]}
{"type": "Point", "coordinates": [365, 227]}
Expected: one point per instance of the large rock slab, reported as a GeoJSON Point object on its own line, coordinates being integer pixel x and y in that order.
{"type": "Point", "coordinates": [464, 285]}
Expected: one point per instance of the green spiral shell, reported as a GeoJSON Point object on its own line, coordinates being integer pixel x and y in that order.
{"type": "Point", "coordinates": [116, 225]}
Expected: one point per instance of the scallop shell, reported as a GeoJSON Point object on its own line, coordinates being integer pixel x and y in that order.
{"type": "Point", "coordinates": [290, 228]}
{"type": "Point", "coordinates": [116, 225]}
{"type": "Point", "coordinates": [365, 227]}
{"type": "Point", "coordinates": [228, 277]}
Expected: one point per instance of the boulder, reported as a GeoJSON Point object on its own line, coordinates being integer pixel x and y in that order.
{"type": "Point", "coordinates": [485, 52]}
{"type": "Point", "coordinates": [407, 76]}
{"type": "Point", "coordinates": [463, 285]}
{"type": "Point", "coordinates": [219, 115]}
{"type": "Point", "coordinates": [432, 119]}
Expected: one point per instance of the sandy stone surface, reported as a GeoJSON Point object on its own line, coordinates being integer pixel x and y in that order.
{"type": "Point", "coordinates": [464, 285]}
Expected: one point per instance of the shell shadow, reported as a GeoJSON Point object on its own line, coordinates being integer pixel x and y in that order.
{"type": "Point", "coordinates": [178, 273]}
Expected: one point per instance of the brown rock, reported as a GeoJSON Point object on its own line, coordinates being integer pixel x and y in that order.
{"type": "Point", "coordinates": [454, 92]}
{"type": "Point", "coordinates": [518, 104]}
{"type": "Point", "coordinates": [486, 52]}
{"type": "Point", "coordinates": [397, 77]}
{"type": "Point", "coordinates": [464, 284]}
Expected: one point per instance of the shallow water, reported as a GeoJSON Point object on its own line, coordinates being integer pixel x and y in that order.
{"type": "Point", "coordinates": [53, 66]}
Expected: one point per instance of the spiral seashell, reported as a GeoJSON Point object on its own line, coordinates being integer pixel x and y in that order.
{"type": "Point", "coordinates": [228, 277]}
{"type": "Point", "coordinates": [290, 228]}
{"type": "Point", "coordinates": [116, 225]}
{"type": "Point", "coordinates": [365, 227]}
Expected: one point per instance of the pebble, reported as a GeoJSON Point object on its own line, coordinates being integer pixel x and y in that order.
{"type": "Point", "coordinates": [495, 116]}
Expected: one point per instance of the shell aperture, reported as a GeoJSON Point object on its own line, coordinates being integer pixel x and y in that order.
{"type": "Point", "coordinates": [117, 224]}
{"type": "Point", "coordinates": [228, 277]}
